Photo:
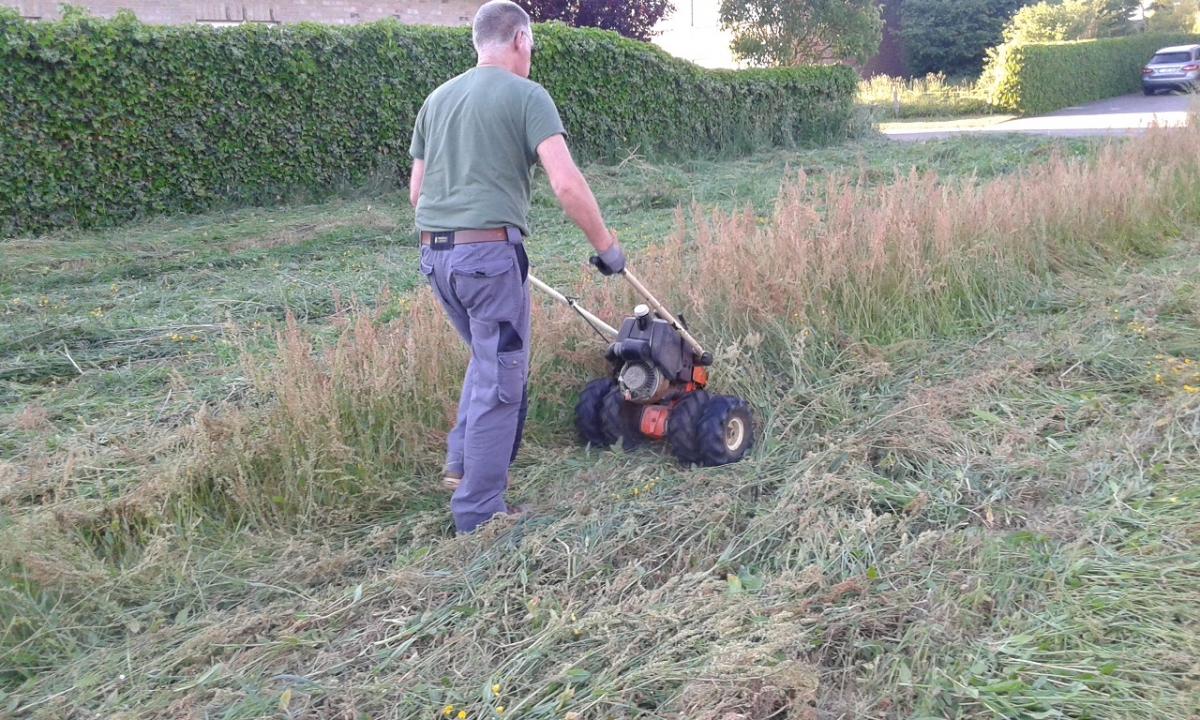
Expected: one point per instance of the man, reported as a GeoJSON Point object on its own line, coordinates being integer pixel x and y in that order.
{"type": "Point", "coordinates": [474, 145]}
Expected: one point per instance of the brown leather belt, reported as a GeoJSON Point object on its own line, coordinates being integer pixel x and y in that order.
{"type": "Point", "coordinates": [466, 237]}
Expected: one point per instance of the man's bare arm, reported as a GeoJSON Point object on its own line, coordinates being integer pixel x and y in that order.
{"type": "Point", "coordinates": [414, 185]}
{"type": "Point", "coordinates": [573, 192]}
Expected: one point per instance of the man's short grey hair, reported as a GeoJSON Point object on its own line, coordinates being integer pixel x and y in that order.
{"type": "Point", "coordinates": [497, 23]}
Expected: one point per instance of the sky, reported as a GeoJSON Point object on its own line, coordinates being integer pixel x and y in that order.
{"type": "Point", "coordinates": [693, 33]}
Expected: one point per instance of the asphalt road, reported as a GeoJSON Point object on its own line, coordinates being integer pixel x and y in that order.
{"type": "Point", "coordinates": [1122, 115]}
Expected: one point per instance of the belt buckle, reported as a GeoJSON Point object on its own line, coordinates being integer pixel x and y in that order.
{"type": "Point", "coordinates": [441, 240]}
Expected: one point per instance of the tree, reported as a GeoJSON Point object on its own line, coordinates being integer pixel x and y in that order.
{"type": "Point", "coordinates": [631, 18]}
{"type": "Point", "coordinates": [1173, 16]}
{"type": "Point", "coordinates": [952, 36]}
{"type": "Point", "coordinates": [802, 32]}
{"type": "Point", "coordinates": [1071, 20]}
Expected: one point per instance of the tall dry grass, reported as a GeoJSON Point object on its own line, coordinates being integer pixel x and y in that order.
{"type": "Point", "coordinates": [929, 96]}
{"type": "Point", "coordinates": [920, 256]}
{"type": "Point", "coordinates": [358, 425]}
{"type": "Point", "coordinates": [342, 429]}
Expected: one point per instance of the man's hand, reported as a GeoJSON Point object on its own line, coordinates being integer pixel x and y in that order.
{"type": "Point", "coordinates": [610, 260]}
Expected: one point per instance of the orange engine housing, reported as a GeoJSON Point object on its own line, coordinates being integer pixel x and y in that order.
{"type": "Point", "coordinates": [654, 421]}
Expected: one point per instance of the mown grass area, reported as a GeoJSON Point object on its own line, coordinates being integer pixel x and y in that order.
{"type": "Point", "coordinates": [974, 495]}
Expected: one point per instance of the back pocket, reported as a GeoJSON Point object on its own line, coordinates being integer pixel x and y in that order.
{"type": "Point", "coordinates": [488, 286]}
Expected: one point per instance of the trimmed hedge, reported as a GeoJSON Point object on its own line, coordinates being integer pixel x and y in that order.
{"type": "Point", "coordinates": [105, 120]}
{"type": "Point", "coordinates": [1043, 77]}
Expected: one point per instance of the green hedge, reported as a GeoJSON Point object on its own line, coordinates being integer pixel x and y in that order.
{"type": "Point", "coordinates": [105, 120]}
{"type": "Point", "coordinates": [1043, 77]}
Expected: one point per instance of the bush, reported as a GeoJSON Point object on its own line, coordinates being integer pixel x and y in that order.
{"type": "Point", "coordinates": [105, 120]}
{"type": "Point", "coordinates": [1043, 77]}
{"type": "Point", "coordinates": [1182, 16]}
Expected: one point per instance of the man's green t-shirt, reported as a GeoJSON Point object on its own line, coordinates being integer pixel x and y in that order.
{"type": "Point", "coordinates": [478, 135]}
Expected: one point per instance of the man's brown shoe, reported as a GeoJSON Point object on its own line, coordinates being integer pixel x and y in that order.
{"type": "Point", "coordinates": [451, 481]}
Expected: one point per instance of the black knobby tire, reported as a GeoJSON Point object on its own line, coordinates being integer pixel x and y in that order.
{"type": "Point", "coordinates": [682, 426]}
{"type": "Point", "coordinates": [621, 419]}
{"type": "Point", "coordinates": [725, 430]}
{"type": "Point", "coordinates": [587, 413]}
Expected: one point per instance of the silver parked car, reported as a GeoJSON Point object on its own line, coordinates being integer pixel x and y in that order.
{"type": "Point", "coordinates": [1172, 68]}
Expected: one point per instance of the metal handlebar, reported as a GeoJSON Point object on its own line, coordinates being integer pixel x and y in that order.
{"type": "Point", "coordinates": [602, 327]}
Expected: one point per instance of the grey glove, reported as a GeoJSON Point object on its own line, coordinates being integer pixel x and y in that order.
{"type": "Point", "coordinates": [610, 260]}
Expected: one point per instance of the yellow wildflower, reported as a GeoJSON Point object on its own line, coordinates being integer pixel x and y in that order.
{"type": "Point", "coordinates": [496, 689]}
{"type": "Point", "coordinates": [448, 709]}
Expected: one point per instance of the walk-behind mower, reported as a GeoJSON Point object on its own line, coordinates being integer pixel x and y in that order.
{"type": "Point", "coordinates": [656, 388]}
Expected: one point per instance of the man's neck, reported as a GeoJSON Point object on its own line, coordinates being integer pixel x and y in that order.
{"type": "Point", "coordinates": [496, 61]}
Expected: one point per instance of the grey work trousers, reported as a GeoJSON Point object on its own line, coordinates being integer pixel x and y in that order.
{"type": "Point", "coordinates": [484, 290]}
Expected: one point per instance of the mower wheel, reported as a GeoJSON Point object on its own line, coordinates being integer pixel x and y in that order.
{"type": "Point", "coordinates": [725, 430]}
{"type": "Point", "coordinates": [588, 418]}
{"type": "Point", "coordinates": [621, 419]}
{"type": "Point", "coordinates": [682, 426]}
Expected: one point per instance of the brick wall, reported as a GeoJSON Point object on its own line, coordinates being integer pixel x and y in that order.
{"type": "Point", "coordinates": [334, 12]}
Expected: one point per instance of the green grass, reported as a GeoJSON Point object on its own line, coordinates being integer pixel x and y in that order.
{"type": "Point", "coordinates": [930, 97]}
{"type": "Point", "coordinates": [998, 522]}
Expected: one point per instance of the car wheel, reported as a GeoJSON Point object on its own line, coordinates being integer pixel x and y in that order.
{"type": "Point", "coordinates": [1147, 91]}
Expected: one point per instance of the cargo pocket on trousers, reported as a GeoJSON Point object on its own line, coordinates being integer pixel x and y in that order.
{"type": "Point", "coordinates": [511, 374]}
{"type": "Point", "coordinates": [487, 285]}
